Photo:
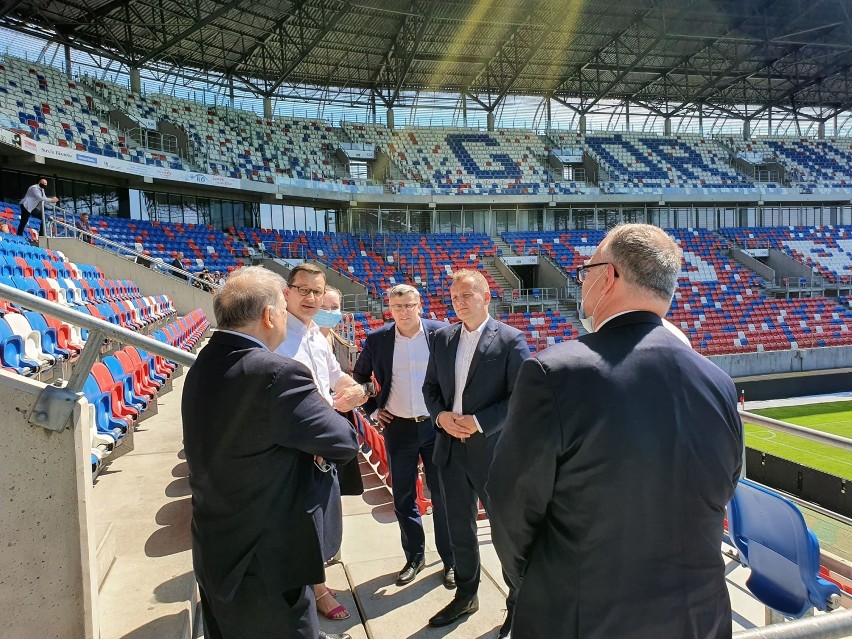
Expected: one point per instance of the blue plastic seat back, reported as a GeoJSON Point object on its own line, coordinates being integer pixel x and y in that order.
{"type": "Point", "coordinates": [783, 555]}
{"type": "Point", "coordinates": [12, 346]}
{"type": "Point", "coordinates": [104, 420]}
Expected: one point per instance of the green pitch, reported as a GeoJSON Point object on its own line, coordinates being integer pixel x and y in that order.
{"type": "Point", "coordinates": [831, 417]}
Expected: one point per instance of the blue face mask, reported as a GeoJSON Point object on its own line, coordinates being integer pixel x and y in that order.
{"type": "Point", "coordinates": [328, 319]}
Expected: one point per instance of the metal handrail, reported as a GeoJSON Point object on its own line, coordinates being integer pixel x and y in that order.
{"type": "Point", "coordinates": [119, 333]}
{"type": "Point", "coordinates": [835, 625]}
{"type": "Point", "coordinates": [799, 431]}
{"type": "Point", "coordinates": [55, 404]}
{"type": "Point", "coordinates": [122, 249]}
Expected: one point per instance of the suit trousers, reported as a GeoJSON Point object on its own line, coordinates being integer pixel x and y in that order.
{"type": "Point", "coordinates": [25, 216]}
{"type": "Point", "coordinates": [463, 484]}
{"type": "Point", "coordinates": [254, 614]}
{"type": "Point", "coordinates": [407, 441]}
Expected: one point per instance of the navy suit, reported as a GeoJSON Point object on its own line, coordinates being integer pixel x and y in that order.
{"type": "Point", "coordinates": [609, 486]}
{"type": "Point", "coordinates": [463, 466]}
{"type": "Point", "coordinates": [252, 423]}
{"type": "Point", "coordinates": [406, 442]}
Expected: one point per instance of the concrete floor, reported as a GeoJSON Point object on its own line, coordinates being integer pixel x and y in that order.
{"type": "Point", "coordinates": [149, 593]}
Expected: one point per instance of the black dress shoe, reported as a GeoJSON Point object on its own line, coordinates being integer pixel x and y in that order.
{"type": "Point", "coordinates": [325, 635]}
{"type": "Point", "coordinates": [452, 611]}
{"type": "Point", "coordinates": [449, 577]}
{"type": "Point", "coordinates": [409, 572]}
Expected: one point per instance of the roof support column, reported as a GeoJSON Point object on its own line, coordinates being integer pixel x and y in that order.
{"type": "Point", "coordinates": [489, 119]}
{"type": "Point", "coordinates": [464, 109]}
{"type": "Point", "coordinates": [821, 130]}
{"type": "Point", "coordinates": [746, 129]}
{"type": "Point", "coordinates": [68, 61]}
{"type": "Point", "coordinates": [267, 107]}
{"type": "Point", "coordinates": [390, 118]}
{"type": "Point", "coordinates": [667, 126]}
{"type": "Point", "coordinates": [583, 124]}
{"type": "Point", "coordinates": [135, 81]}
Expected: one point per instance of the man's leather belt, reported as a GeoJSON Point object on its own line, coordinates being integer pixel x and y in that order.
{"type": "Point", "coordinates": [417, 420]}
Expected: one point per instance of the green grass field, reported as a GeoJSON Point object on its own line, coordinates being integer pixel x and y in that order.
{"type": "Point", "coordinates": [830, 417]}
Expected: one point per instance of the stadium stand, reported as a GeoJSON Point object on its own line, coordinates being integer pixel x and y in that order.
{"type": "Point", "coordinates": [811, 164]}
{"type": "Point", "coordinates": [826, 249]}
{"type": "Point", "coordinates": [47, 106]}
{"type": "Point", "coordinates": [719, 304]}
{"type": "Point", "coordinates": [631, 162]}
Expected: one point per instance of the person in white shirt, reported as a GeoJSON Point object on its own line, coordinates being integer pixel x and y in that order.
{"type": "Point", "coordinates": [469, 380]}
{"type": "Point", "coordinates": [306, 344]}
{"type": "Point", "coordinates": [396, 355]}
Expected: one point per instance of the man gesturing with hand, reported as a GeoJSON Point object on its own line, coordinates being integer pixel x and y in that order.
{"type": "Point", "coordinates": [469, 380]}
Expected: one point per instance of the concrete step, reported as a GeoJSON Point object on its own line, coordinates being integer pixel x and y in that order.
{"type": "Point", "coordinates": [105, 550]}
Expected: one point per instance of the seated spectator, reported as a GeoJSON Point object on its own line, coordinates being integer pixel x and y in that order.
{"type": "Point", "coordinates": [85, 229]}
{"type": "Point", "coordinates": [144, 259]}
{"type": "Point", "coordinates": [5, 227]}
{"type": "Point", "coordinates": [218, 280]}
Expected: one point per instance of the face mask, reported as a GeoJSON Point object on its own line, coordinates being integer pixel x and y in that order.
{"type": "Point", "coordinates": [328, 319]}
{"type": "Point", "coordinates": [588, 322]}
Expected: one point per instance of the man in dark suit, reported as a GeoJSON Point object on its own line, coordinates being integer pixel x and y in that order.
{"type": "Point", "coordinates": [253, 421]}
{"type": "Point", "coordinates": [619, 455]}
{"type": "Point", "coordinates": [469, 380]}
{"type": "Point", "coordinates": [397, 355]}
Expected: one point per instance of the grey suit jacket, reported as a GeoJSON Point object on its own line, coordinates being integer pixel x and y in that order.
{"type": "Point", "coordinates": [34, 199]}
{"type": "Point", "coordinates": [490, 380]}
{"type": "Point", "coordinates": [609, 484]}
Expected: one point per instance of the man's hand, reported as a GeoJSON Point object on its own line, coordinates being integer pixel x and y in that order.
{"type": "Point", "coordinates": [384, 417]}
{"type": "Point", "coordinates": [348, 398]}
{"type": "Point", "coordinates": [449, 422]}
{"type": "Point", "coordinates": [467, 424]}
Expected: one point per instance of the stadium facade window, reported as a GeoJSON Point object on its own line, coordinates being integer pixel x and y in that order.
{"type": "Point", "coordinates": [584, 218]}
{"type": "Point", "coordinates": [394, 221]}
{"type": "Point", "coordinates": [506, 220]}
{"type": "Point", "coordinates": [420, 221]}
{"type": "Point", "coordinates": [449, 222]}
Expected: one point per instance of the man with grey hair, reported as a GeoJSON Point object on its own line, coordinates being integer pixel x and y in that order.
{"type": "Point", "coordinates": [396, 355]}
{"type": "Point", "coordinates": [619, 454]}
{"type": "Point", "coordinates": [253, 422]}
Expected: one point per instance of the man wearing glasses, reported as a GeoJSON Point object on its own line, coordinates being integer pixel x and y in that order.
{"type": "Point", "coordinates": [397, 355]}
{"type": "Point", "coordinates": [620, 451]}
{"type": "Point", "coordinates": [306, 344]}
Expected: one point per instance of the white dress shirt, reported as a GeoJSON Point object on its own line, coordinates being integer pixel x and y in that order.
{"type": "Point", "coordinates": [468, 340]}
{"type": "Point", "coordinates": [410, 357]}
{"type": "Point", "coordinates": [307, 345]}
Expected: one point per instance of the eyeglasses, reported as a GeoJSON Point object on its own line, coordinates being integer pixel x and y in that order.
{"type": "Point", "coordinates": [405, 307]}
{"type": "Point", "coordinates": [581, 270]}
{"type": "Point", "coordinates": [304, 291]}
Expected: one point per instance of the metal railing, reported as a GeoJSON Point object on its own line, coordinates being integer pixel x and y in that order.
{"type": "Point", "coordinates": [835, 625]}
{"type": "Point", "coordinates": [799, 431]}
{"type": "Point", "coordinates": [60, 227]}
{"type": "Point", "coordinates": [54, 406]}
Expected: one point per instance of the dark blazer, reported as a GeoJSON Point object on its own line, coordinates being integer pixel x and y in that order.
{"type": "Point", "coordinates": [252, 423]}
{"type": "Point", "coordinates": [609, 485]}
{"type": "Point", "coordinates": [498, 357]}
{"type": "Point", "coordinates": [376, 358]}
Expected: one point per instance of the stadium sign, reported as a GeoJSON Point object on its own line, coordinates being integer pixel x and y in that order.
{"type": "Point", "coordinates": [64, 154]}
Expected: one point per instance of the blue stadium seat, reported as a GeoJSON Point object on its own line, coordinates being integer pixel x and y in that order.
{"type": "Point", "coordinates": [783, 555]}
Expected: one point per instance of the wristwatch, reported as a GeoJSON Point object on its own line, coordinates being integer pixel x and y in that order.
{"type": "Point", "coordinates": [369, 389]}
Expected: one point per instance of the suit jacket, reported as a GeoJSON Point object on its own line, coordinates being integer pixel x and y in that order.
{"type": "Point", "coordinates": [619, 455]}
{"type": "Point", "coordinates": [376, 359]}
{"type": "Point", "coordinates": [490, 380]}
{"type": "Point", "coordinates": [34, 199]}
{"type": "Point", "coordinates": [252, 423]}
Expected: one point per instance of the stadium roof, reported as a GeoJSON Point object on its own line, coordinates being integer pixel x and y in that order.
{"type": "Point", "coordinates": [666, 55]}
